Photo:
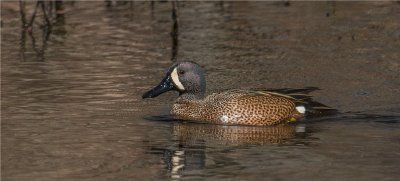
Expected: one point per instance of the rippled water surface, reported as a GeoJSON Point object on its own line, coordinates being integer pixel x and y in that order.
{"type": "Point", "coordinates": [71, 106]}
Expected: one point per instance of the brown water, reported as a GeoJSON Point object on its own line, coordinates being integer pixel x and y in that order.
{"type": "Point", "coordinates": [71, 106]}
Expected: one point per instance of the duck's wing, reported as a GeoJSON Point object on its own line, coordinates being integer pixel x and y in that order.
{"type": "Point", "coordinates": [304, 90]}
{"type": "Point", "coordinates": [259, 92]}
{"type": "Point", "coordinates": [302, 98]}
{"type": "Point", "coordinates": [300, 95]}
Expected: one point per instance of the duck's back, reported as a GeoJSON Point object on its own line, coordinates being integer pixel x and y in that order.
{"type": "Point", "coordinates": [237, 107]}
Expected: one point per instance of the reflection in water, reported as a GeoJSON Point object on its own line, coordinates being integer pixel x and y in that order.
{"type": "Point", "coordinates": [45, 29]}
{"type": "Point", "coordinates": [59, 7]}
{"type": "Point", "coordinates": [331, 8]}
{"type": "Point", "coordinates": [179, 160]}
{"type": "Point", "coordinates": [174, 31]}
{"type": "Point", "coordinates": [194, 139]}
{"type": "Point", "coordinates": [190, 134]}
{"type": "Point", "coordinates": [79, 115]}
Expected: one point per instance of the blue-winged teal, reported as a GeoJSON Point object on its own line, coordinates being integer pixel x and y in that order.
{"type": "Point", "coordinates": [233, 107]}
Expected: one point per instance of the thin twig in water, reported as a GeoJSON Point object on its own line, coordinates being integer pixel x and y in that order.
{"type": "Point", "coordinates": [175, 31]}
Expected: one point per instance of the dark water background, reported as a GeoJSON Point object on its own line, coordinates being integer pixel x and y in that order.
{"type": "Point", "coordinates": [71, 106]}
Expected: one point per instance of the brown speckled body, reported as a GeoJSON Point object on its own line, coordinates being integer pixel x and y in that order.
{"type": "Point", "coordinates": [234, 107]}
{"type": "Point", "coordinates": [238, 107]}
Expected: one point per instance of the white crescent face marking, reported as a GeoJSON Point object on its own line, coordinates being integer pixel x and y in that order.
{"type": "Point", "coordinates": [175, 79]}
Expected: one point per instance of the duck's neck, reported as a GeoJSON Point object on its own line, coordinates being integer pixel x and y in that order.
{"type": "Point", "coordinates": [188, 107]}
{"type": "Point", "coordinates": [191, 96]}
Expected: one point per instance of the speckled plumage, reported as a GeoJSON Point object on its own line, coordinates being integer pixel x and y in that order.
{"type": "Point", "coordinates": [234, 107]}
{"type": "Point", "coordinates": [233, 135]}
{"type": "Point", "coordinates": [237, 107]}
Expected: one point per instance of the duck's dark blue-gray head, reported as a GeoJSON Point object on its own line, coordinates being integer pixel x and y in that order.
{"type": "Point", "coordinates": [185, 77]}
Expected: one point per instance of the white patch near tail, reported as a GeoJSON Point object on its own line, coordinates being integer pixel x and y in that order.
{"type": "Point", "coordinates": [301, 109]}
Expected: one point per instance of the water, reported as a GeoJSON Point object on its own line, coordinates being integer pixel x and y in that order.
{"type": "Point", "coordinates": [71, 106]}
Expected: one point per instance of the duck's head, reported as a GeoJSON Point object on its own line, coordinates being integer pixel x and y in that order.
{"type": "Point", "coordinates": [185, 77]}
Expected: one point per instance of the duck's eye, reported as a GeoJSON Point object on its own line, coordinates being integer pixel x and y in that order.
{"type": "Point", "coordinates": [181, 72]}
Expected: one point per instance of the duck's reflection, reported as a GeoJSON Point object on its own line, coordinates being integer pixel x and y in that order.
{"type": "Point", "coordinates": [192, 134]}
{"type": "Point", "coordinates": [193, 142]}
{"type": "Point", "coordinates": [179, 160]}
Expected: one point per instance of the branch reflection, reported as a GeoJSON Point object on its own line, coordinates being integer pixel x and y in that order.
{"type": "Point", "coordinates": [175, 31]}
{"type": "Point", "coordinates": [43, 10]}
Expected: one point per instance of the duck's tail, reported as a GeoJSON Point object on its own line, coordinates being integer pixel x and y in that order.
{"type": "Point", "coordinates": [304, 102]}
{"type": "Point", "coordinates": [312, 108]}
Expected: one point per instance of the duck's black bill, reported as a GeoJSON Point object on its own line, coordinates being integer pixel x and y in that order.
{"type": "Point", "coordinates": [165, 85]}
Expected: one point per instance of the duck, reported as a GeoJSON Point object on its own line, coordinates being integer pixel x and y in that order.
{"type": "Point", "coordinates": [255, 107]}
